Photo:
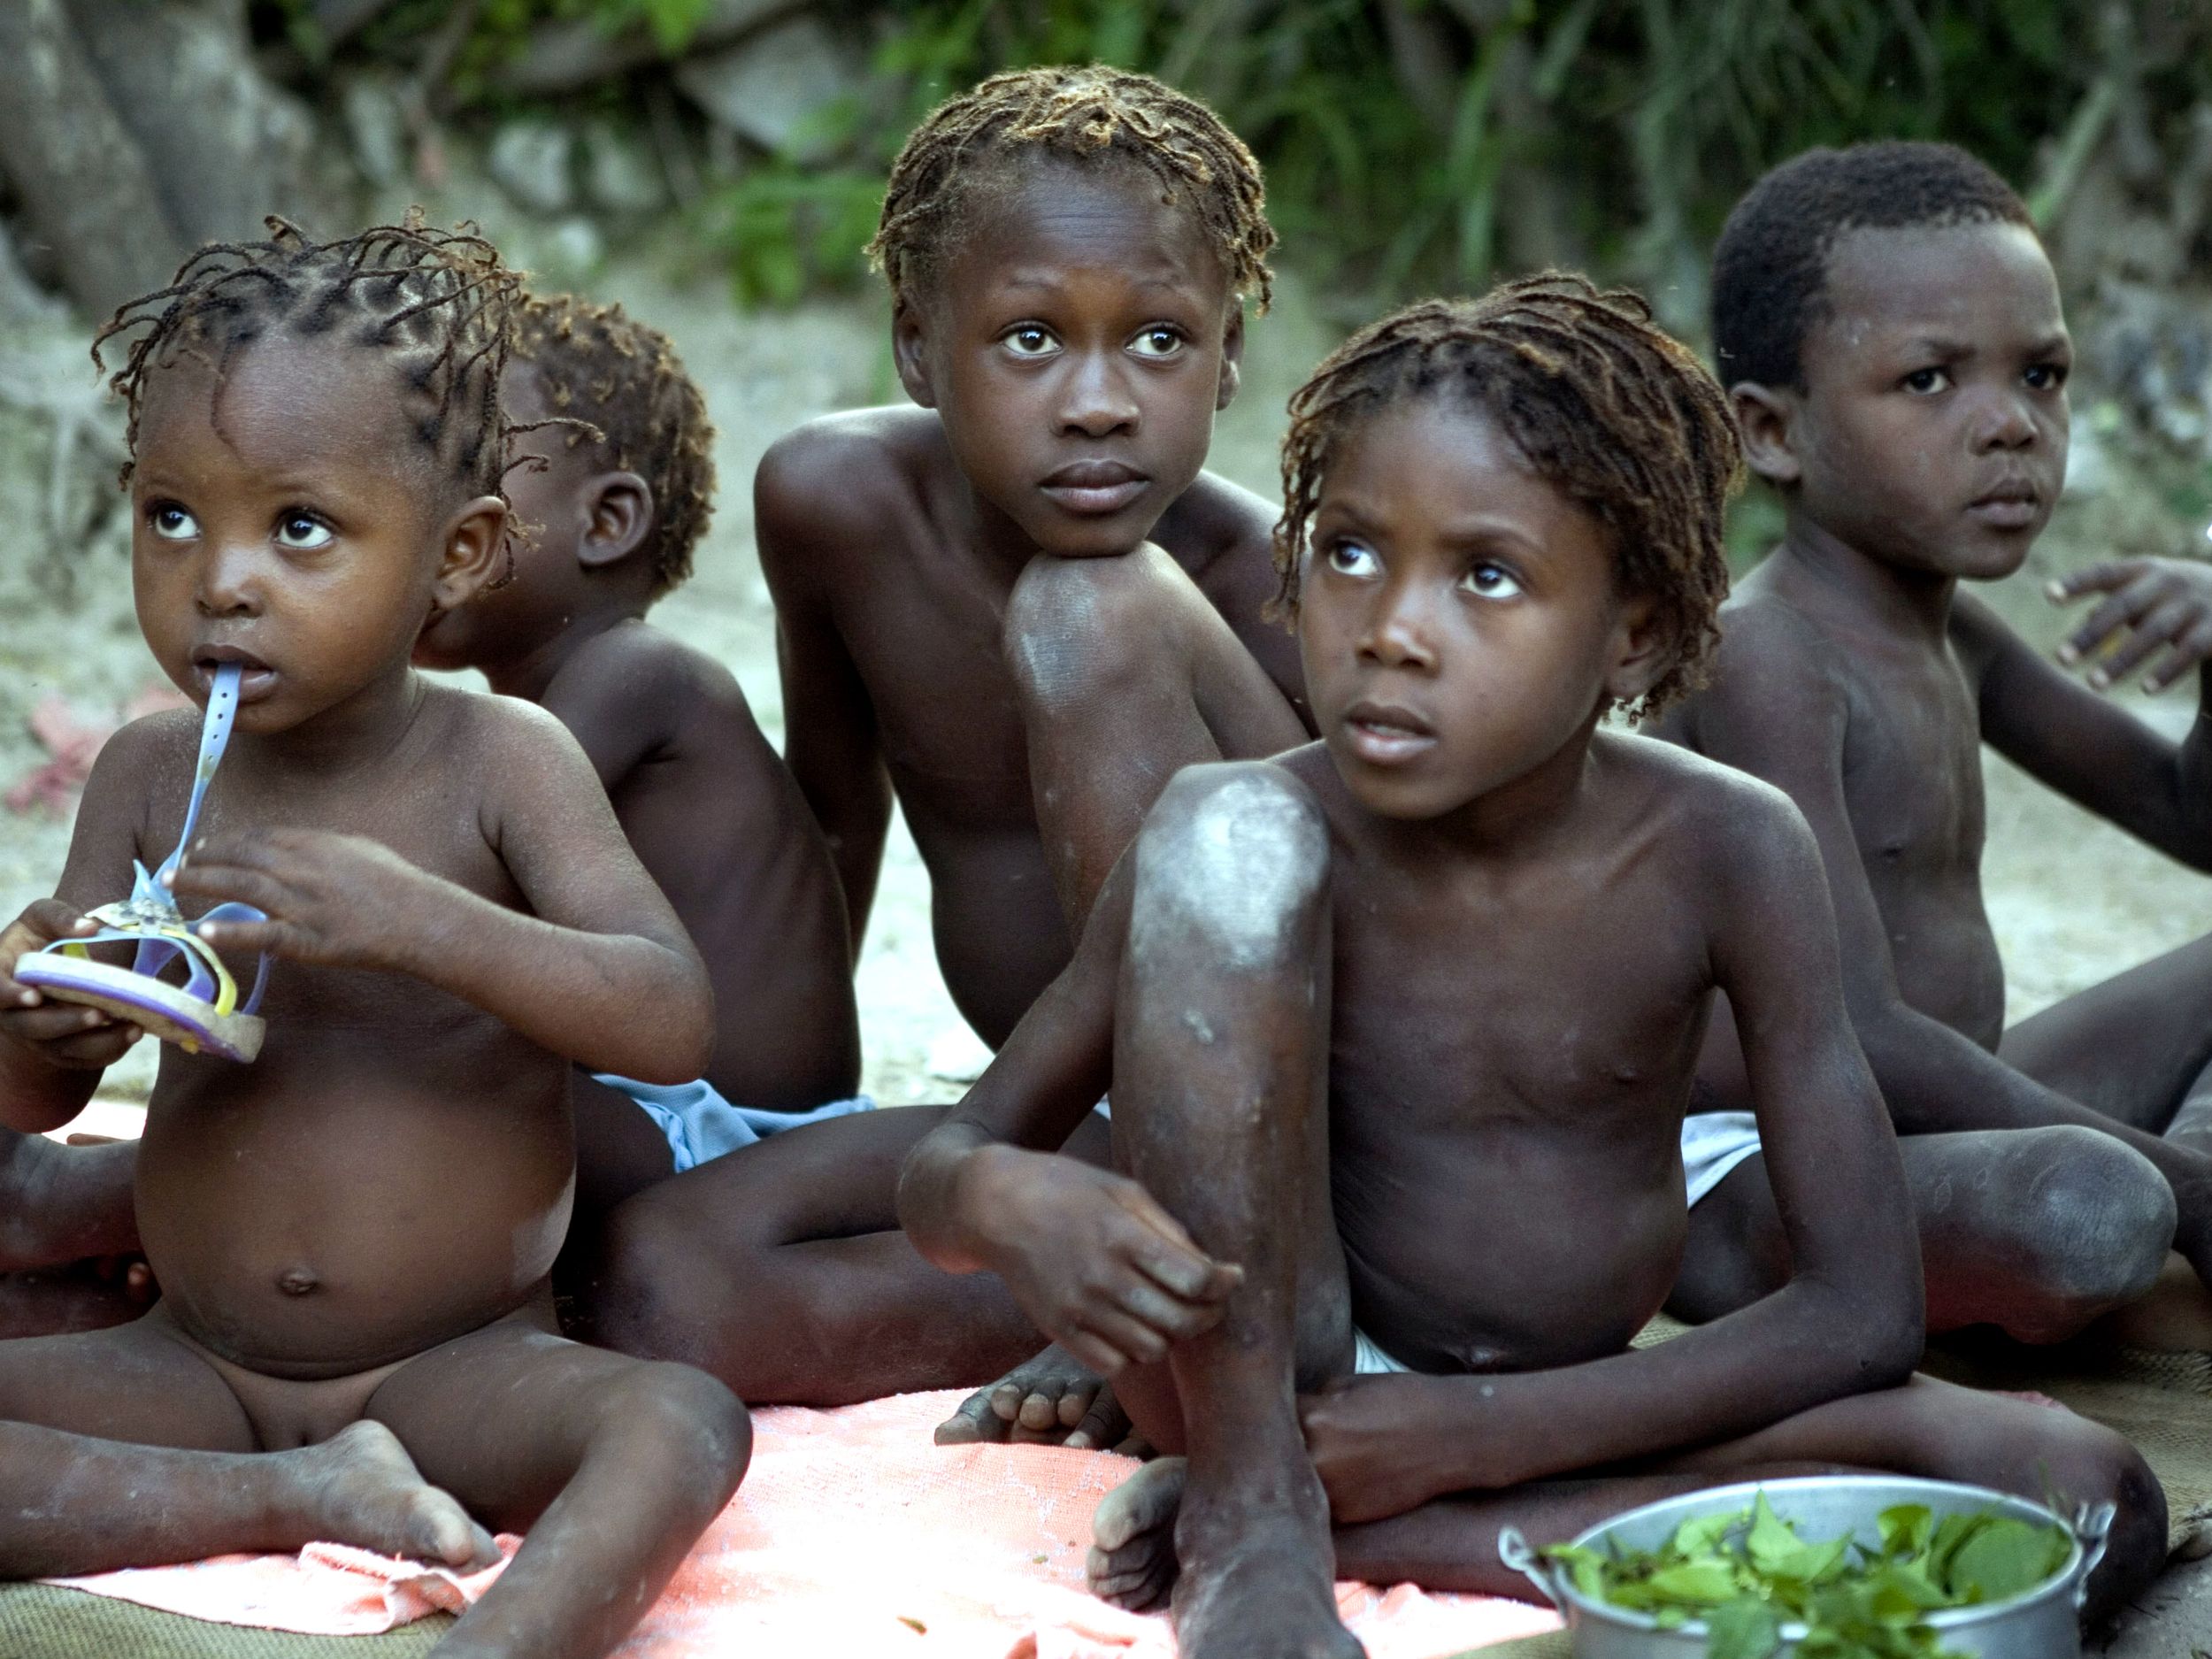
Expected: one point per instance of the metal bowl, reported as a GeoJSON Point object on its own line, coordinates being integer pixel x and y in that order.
{"type": "Point", "coordinates": [2039, 1623]}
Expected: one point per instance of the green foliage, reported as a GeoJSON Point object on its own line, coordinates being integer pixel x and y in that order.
{"type": "Point", "coordinates": [1748, 1574]}
{"type": "Point", "coordinates": [1425, 145]}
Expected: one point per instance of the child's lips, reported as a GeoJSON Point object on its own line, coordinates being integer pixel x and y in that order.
{"type": "Point", "coordinates": [256, 680]}
{"type": "Point", "coordinates": [1096, 487]}
{"type": "Point", "coordinates": [2007, 509]}
{"type": "Point", "coordinates": [1387, 737]}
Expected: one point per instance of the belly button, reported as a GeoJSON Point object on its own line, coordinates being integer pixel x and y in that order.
{"type": "Point", "coordinates": [297, 1281]}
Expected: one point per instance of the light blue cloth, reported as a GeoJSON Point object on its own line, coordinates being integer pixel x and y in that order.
{"type": "Point", "coordinates": [701, 1126]}
{"type": "Point", "coordinates": [1713, 1143]}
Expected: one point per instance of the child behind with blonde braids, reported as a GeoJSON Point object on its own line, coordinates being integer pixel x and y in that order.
{"type": "Point", "coordinates": [1401, 1026]}
{"type": "Point", "coordinates": [352, 1232]}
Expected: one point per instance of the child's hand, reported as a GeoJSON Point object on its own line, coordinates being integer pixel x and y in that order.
{"type": "Point", "coordinates": [338, 901]}
{"type": "Point", "coordinates": [1093, 1259]}
{"type": "Point", "coordinates": [64, 1034]}
{"type": "Point", "coordinates": [2160, 607]}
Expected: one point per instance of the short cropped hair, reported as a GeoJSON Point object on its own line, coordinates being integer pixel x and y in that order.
{"type": "Point", "coordinates": [1091, 114]}
{"type": "Point", "coordinates": [1620, 417]}
{"type": "Point", "coordinates": [438, 304]}
{"type": "Point", "coordinates": [599, 366]}
{"type": "Point", "coordinates": [1771, 267]}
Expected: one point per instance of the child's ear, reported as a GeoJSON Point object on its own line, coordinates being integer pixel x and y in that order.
{"type": "Point", "coordinates": [1643, 651]}
{"type": "Point", "coordinates": [618, 518]}
{"type": "Point", "coordinates": [1231, 358]}
{"type": "Point", "coordinates": [909, 351]}
{"type": "Point", "coordinates": [475, 552]}
{"type": "Point", "coordinates": [1768, 420]}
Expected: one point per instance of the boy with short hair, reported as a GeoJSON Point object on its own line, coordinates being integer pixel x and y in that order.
{"type": "Point", "coordinates": [352, 1233]}
{"type": "Point", "coordinates": [1401, 1025]}
{"type": "Point", "coordinates": [612, 482]}
{"type": "Point", "coordinates": [1891, 332]}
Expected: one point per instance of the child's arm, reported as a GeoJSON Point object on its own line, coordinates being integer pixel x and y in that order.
{"type": "Point", "coordinates": [52, 1052]}
{"type": "Point", "coordinates": [1850, 1317]}
{"type": "Point", "coordinates": [830, 741]}
{"type": "Point", "coordinates": [1091, 1256]}
{"type": "Point", "coordinates": [1775, 713]}
{"type": "Point", "coordinates": [2084, 745]}
{"type": "Point", "coordinates": [601, 973]}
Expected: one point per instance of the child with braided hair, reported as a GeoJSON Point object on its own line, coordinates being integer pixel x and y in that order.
{"type": "Point", "coordinates": [1401, 1026]}
{"type": "Point", "coordinates": [1068, 252]}
{"type": "Point", "coordinates": [353, 1233]}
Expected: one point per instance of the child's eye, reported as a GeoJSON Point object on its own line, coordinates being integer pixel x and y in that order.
{"type": "Point", "coordinates": [2046, 377]}
{"type": "Point", "coordinates": [1925, 381]}
{"type": "Point", "coordinates": [1492, 581]}
{"type": "Point", "coordinates": [302, 533]}
{"type": "Point", "coordinates": [170, 522]}
{"type": "Point", "coordinates": [1348, 557]}
{"type": "Point", "coordinates": [1159, 341]}
{"type": "Point", "coordinates": [1029, 341]}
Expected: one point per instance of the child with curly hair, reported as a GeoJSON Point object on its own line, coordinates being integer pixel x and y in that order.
{"type": "Point", "coordinates": [353, 1233]}
{"type": "Point", "coordinates": [612, 477]}
{"type": "Point", "coordinates": [1401, 1026]}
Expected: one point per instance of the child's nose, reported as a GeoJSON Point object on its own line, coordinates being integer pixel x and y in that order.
{"type": "Point", "coordinates": [229, 583]}
{"type": "Point", "coordinates": [1099, 401]}
{"type": "Point", "coordinates": [2004, 421]}
{"type": "Point", "coordinates": [1398, 635]}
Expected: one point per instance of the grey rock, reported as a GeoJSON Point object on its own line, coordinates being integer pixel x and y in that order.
{"type": "Point", "coordinates": [621, 175]}
{"type": "Point", "coordinates": [775, 86]}
{"type": "Point", "coordinates": [530, 160]}
{"type": "Point", "coordinates": [572, 53]}
{"type": "Point", "coordinates": [377, 124]}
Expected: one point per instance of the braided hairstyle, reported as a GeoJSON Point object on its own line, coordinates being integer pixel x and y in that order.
{"type": "Point", "coordinates": [1611, 411]}
{"type": "Point", "coordinates": [616, 381]}
{"type": "Point", "coordinates": [1087, 113]}
{"type": "Point", "coordinates": [439, 303]}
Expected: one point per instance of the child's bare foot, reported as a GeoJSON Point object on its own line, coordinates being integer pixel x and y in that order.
{"type": "Point", "coordinates": [360, 1487]}
{"type": "Point", "coordinates": [65, 1203]}
{"type": "Point", "coordinates": [1132, 1562]}
{"type": "Point", "coordinates": [1054, 1399]}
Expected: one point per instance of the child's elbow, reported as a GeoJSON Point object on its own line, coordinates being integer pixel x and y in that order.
{"type": "Point", "coordinates": [1888, 1330]}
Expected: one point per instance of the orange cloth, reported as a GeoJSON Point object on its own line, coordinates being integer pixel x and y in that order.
{"type": "Point", "coordinates": [853, 1534]}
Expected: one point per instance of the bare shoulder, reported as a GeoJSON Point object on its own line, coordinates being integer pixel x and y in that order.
{"type": "Point", "coordinates": [1215, 518]}
{"type": "Point", "coordinates": [475, 733]}
{"type": "Point", "coordinates": [645, 669]}
{"type": "Point", "coordinates": [1978, 634]}
{"type": "Point", "coordinates": [1775, 669]}
{"type": "Point", "coordinates": [841, 472]}
{"type": "Point", "coordinates": [1717, 816]}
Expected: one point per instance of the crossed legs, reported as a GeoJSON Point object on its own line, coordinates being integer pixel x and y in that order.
{"type": "Point", "coordinates": [2035, 1231]}
{"type": "Point", "coordinates": [133, 1445]}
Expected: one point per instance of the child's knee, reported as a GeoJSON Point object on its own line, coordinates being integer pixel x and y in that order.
{"type": "Point", "coordinates": [698, 1422]}
{"type": "Point", "coordinates": [2099, 1217]}
{"type": "Point", "coordinates": [1076, 630]}
{"type": "Point", "coordinates": [2085, 1464]}
{"type": "Point", "coordinates": [1236, 854]}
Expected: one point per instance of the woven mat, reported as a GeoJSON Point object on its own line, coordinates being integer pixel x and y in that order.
{"type": "Point", "coordinates": [42, 1621]}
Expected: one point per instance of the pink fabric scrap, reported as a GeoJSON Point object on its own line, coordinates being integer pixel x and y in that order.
{"type": "Point", "coordinates": [853, 1534]}
{"type": "Point", "coordinates": [326, 1590]}
{"type": "Point", "coordinates": [74, 742]}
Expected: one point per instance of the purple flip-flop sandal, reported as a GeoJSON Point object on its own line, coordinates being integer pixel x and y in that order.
{"type": "Point", "coordinates": [204, 1014]}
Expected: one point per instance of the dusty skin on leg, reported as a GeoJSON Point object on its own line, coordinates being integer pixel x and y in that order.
{"type": "Point", "coordinates": [140, 1453]}
{"type": "Point", "coordinates": [1126, 674]}
{"type": "Point", "coordinates": [66, 1222]}
{"type": "Point", "coordinates": [781, 1268]}
{"type": "Point", "coordinates": [2035, 1231]}
{"type": "Point", "coordinates": [614, 1466]}
{"type": "Point", "coordinates": [1220, 1113]}
{"type": "Point", "coordinates": [1927, 1428]}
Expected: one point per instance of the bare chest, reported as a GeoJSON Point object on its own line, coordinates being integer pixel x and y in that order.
{"type": "Point", "coordinates": [1912, 773]}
